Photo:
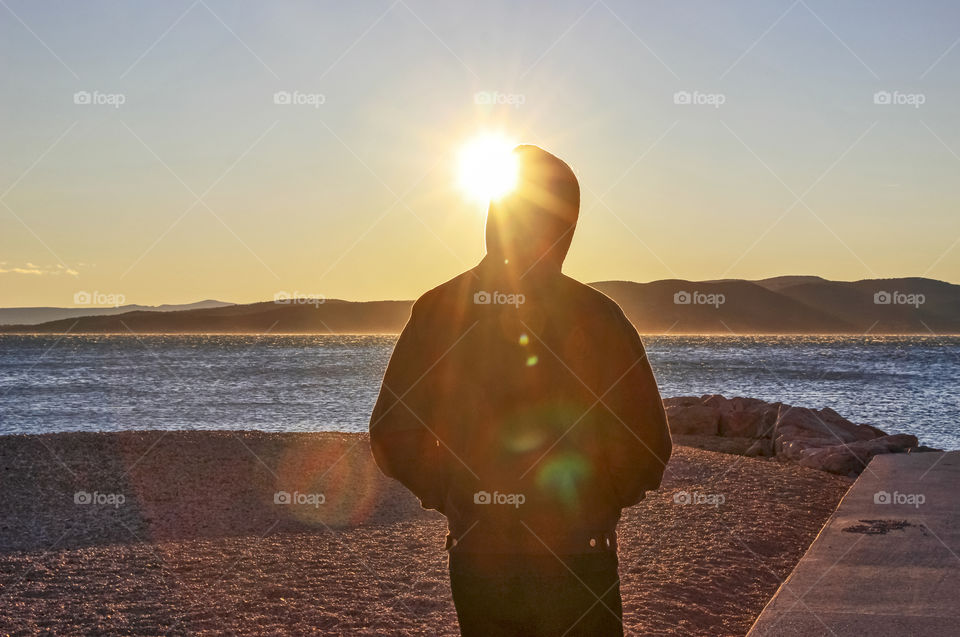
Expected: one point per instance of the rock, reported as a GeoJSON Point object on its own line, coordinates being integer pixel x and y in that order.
{"type": "Point", "coordinates": [802, 423]}
{"type": "Point", "coordinates": [687, 415]}
{"type": "Point", "coordinates": [747, 417]}
{"type": "Point", "coordinates": [894, 443]}
{"type": "Point", "coordinates": [797, 449]}
{"type": "Point", "coordinates": [819, 438]}
{"type": "Point", "coordinates": [715, 415]}
{"type": "Point", "coordinates": [852, 458]}
{"type": "Point", "coordinates": [826, 440]}
{"type": "Point", "coordinates": [682, 401]}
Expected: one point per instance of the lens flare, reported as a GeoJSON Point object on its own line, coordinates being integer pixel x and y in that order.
{"type": "Point", "coordinates": [488, 167]}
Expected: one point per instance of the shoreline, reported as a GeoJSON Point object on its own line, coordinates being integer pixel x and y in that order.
{"type": "Point", "coordinates": [198, 544]}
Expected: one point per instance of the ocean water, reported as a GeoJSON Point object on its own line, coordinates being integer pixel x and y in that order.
{"type": "Point", "coordinates": [314, 383]}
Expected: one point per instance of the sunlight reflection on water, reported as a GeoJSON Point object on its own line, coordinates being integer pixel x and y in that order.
{"type": "Point", "coordinates": [321, 382]}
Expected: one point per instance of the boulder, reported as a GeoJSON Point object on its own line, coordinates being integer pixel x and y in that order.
{"type": "Point", "coordinates": [852, 458]}
{"type": "Point", "coordinates": [716, 415]}
{"type": "Point", "coordinates": [687, 415]}
{"type": "Point", "coordinates": [796, 449]}
{"type": "Point", "coordinates": [802, 423]}
{"type": "Point", "coordinates": [682, 401]}
{"type": "Point", "coordinates": [819, 438]}
{"type": "Point", "coordinates": [747, 417]}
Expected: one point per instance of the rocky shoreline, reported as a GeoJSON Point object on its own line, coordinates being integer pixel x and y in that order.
{"type": "Point", "coordinates": [817, 438]}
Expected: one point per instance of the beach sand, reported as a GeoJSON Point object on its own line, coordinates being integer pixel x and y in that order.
{"type": "Point", "coordinates": [198, 544]}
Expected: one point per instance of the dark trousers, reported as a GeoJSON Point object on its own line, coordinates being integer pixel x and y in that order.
{"type": "Point", "coordinates": [533, 597]}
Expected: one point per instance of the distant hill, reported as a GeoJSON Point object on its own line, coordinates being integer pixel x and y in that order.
{"type": "Point", "coordinates": [791, 305]}
{"type": "Point", "coordinates": [332, 316]}
{"type": "Point", "coordinates": [935, 305]}
{"type": "Point", "coordinates": [35, 315]}
{"type": "Point", "coordinates": [781, 305]}
{"type": "Point", "coordinates": [717, 307]}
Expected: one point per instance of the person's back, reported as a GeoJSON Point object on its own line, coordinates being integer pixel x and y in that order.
{"type": "Point", "coordinates": [520, 404]}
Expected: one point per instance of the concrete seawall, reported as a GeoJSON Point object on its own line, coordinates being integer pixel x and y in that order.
{"type": "Point", "coordinates": [887, 562]}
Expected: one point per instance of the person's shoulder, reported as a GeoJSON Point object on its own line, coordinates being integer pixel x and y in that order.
{"type": "Point", "coordinates": [448, 292]}
{"type": "Point", "coordinates": [605, 319]}
{"type": "Point", "coordinates": [592, 298]}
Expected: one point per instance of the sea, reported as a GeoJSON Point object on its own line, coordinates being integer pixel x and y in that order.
{"type": "Point", "coordinates": [53, 383]}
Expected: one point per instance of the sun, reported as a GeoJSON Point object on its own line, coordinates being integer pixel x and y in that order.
{"type": "Point", "coordinates": [488, 167]}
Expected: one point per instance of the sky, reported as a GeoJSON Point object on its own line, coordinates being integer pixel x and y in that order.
{"type": "Point", "coordinates": [150, 154]}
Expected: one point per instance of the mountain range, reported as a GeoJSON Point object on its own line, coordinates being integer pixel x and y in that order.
{"type": "Point", "coordinates": [35, 315]}
{"type": "Point", "coordinates": [780, 305]}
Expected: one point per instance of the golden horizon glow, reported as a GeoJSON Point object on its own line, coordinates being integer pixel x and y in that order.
{"type": "Point", "coordinates": [487, 167]}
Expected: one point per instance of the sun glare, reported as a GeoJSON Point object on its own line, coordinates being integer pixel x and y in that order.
{"type": "Point", "coordinates": [488, 168]}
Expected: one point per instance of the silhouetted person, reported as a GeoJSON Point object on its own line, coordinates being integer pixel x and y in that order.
{"type": "Point", "coordinates": [521, 405]}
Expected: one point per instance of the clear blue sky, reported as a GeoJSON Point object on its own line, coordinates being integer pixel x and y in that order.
{"type": "Point", "coordinates": [798, 171]}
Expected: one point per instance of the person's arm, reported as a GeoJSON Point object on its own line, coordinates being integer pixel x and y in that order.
{"type": "Point", "coordinates": [636, 438]}
{"type": "Point", "coordinates": [403, 446]}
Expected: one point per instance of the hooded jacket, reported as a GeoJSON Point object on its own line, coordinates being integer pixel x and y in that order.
{"type": "Point", "coordinates": [520, 404]}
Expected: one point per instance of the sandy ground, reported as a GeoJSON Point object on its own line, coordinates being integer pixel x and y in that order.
{"type": "Point", "coordinates": [198, 544]}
